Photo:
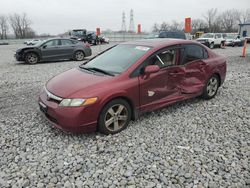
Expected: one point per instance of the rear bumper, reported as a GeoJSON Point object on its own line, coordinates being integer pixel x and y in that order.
{"type": "Point", "coordinates": [68, 119]}
{"type": "Point", "coordinates": [88, 52]}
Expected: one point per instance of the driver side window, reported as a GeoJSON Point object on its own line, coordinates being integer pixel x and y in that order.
{"type": "Point", "coordinates": [52, 43]}
{"type": "Point", "coordinates": [164, 59]}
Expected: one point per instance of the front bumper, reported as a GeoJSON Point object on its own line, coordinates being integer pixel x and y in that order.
{"type": "Point", "coordinates": [206, 43]}
{"type": "Point", "coordinates": [18, 57]}
{"type": "Point", "coordinates": [69, 119]}
{"type": "Point", "coordinates": [229, 43]}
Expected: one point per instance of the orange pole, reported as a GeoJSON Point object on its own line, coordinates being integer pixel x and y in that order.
{"type": "Point", "coordinates": [139, 28]}
{"type": "Point", "coordinates": [244, 49]}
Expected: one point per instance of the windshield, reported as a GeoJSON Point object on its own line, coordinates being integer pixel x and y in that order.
{"type": "Point", "coordinates": [207, 35]}
{"type": "Point", "coordinates": [118, 59]}
{"type": "Point", "coordinates": [39, 43]}
{"type": "Point", "coordinates": [231, 36]}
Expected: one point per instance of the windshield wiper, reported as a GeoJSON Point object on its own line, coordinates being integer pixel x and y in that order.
{"type": "Point", "coordinates": [101, 70]}
{"type": "Point", "coordinates": [85, 68]}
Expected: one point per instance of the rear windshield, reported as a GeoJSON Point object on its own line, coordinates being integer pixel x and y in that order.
{"type": "Point", "coordinates": [118, 59]}
{"type": "Point", "coordinates": [176, 35]}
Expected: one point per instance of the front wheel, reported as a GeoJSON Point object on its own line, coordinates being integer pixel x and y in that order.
{"type": "Point", "coordinates": [79, 55]}
{"type": "Point", "coordinates": [211, 45]}
{"type": "Point", "coordinates": [211, 88]}
{"type": "Point", "coordinates": [114, 117]}
{"type": "Point", "coordinates": [31, 58]}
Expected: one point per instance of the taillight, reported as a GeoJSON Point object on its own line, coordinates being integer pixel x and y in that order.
{"type": "Point", "coordinates": [87, 45]}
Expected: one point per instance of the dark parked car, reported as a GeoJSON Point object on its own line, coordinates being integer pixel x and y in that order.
{"type": "Point", "coordinates": [111, 89]}
{"type": "Point", "coordinates": [172, 34]}
{"type": "Point", "coordinates": [84, 36]}
{"type": "Point", "coordinates": [54, 49]}
{"type": "Point", "coordinates": [167, 34]}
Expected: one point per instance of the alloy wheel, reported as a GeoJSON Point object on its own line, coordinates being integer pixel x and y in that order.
{"type": "Point", "coordinates": [32, 58]}
{"type": "Point", "coordinates": [116, 117]}
{"type": "Point", "coordinates": [212, 86]}
{"type": "Point", "coordinates": [79, 56]}
{"type": "Point", "coordinates": [211, 45]}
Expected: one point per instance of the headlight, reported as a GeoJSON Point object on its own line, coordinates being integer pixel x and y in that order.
{"type": "Point", "coordinates": [77, 102]}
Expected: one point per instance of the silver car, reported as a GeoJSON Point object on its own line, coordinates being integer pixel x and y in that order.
{"type": "Point", "coordinates": [52, 50]}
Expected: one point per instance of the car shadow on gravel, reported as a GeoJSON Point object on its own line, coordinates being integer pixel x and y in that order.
{"type": "Point", "coordinates": [48, 62]}
{"type": "Point", "coordinates": [159, 112]}
{"type": "Point", "coordinates": [50, 129]}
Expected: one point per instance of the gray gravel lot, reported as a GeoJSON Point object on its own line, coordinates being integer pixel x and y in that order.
{"type": "Point", "coordinates": [194, 143]}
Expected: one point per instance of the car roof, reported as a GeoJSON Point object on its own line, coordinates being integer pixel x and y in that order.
{"type": "Point", "coordinates": [159, 42]}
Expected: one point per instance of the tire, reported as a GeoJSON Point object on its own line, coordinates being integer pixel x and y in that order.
{"type": "Point", "coordinates": [211, 45]}
{"type": "Point", "coordinates": [221, 45]}
{"type": "Point", "coordinates": [79, 55]}
{"type": "Point", "coordinates": [31, 58]}
{"type": "Point", "coordinates": [114, 117]}
{"type": "Point", "coordinates": [211, 87]}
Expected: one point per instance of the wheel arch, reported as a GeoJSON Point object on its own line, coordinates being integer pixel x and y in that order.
{"type": "Point", "coordinates": [25, 52]}
{"type": "Point", "coordinates": [78, 50]}
{"type": "Point", "coordinates": [134, 113]}
{"type": "Point", "coordinates": [219, 77]}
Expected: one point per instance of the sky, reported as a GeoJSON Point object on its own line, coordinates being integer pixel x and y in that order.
{"type": "Point", "coordinates": [59, 16]}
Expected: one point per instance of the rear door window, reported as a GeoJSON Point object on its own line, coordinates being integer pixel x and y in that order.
{"type": "Point", "coordinates": [194, 52]}
{"type": "Point", "coordinates": [66, 42]}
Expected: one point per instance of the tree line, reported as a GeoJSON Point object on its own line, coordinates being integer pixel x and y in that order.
{"type": "Point", "coordinates": [212, 21]}
{"type": "Point", "coordinates": [19, 23]}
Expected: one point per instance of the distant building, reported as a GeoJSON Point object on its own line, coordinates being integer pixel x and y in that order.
{"type": "Point", "coordinates": [244, 30]}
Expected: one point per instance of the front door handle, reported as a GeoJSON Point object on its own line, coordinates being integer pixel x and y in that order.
{"type": "Point", "coordinates": [176, 73]}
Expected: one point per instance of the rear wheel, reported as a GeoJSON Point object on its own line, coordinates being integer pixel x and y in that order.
{"type": "Point", "coordinates": [114, 117]}
{"type": "Point", "coordinates": [211, 88]}
{"type": "Point", "coordinates": [222, 45]}
{"type": "Point", "coordinates": [31, 58]}
{"type": "Point", "coordinates": [79, 55]}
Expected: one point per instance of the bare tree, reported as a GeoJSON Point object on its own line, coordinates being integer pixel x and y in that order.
{"type": "Point", "coordinates": [21, 25]}
{"type": "Point", "coordinates": [164, 26]}
{"type": "Point", "coordinates": [211, 18]}
{"type": "Point", "coordinates": [227, 20]}
{"type": "Point", "coordinates": [198, 25]}
{"type": "Point", "coordinates": [175, 26]}
{"type": "Point", "coordinates": [3, 27]}
{"type": "Point", "coordinates": [243, 16]}
{"type": "Point", "coordinates": [156, 27]}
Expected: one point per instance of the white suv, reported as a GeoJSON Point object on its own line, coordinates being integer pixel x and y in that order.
{"type": "Point", "coordinates": [212, 39]}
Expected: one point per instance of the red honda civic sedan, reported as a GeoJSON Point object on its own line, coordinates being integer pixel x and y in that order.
{"type": "Point", "coordinates": [128, 80]}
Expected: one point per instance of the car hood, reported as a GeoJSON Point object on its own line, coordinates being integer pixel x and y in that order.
{"type": "Point", "coordinates": [203, 39]}
{"type": "Point", "coordinates": [26, 48]}
{"type": "Point", "coordinates": [76, 83]}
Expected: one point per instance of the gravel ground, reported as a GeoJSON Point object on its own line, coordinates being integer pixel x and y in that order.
{"type": "Point", "coordinates": [194, 143]}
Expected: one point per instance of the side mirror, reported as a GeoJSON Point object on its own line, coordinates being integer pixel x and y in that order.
{"type": "Point", "coordinates": [151, 69]}
{"type": "Point", "coordinates": [45, 46]}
